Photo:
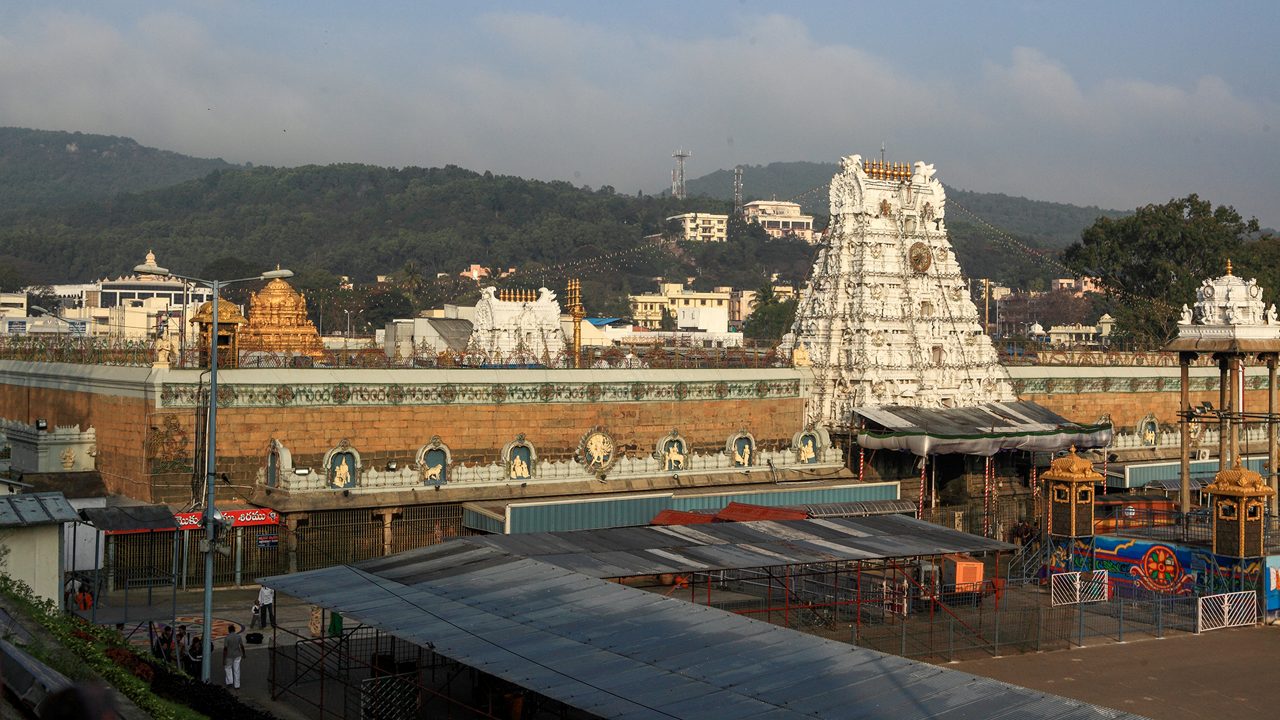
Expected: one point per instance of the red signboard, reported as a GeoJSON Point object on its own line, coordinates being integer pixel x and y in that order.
{"type": "Point", "coordinates": [238, 518]}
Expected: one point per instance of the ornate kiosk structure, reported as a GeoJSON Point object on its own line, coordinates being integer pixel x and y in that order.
{"type": "Point", "coordinates": [1069, 486]}
{"type": "Point", "coordinates": [230, 321]}
{"type": "Point", "coordinates": [1239, 510]}
{"type": "Point", "coordinates": [1230, 321]}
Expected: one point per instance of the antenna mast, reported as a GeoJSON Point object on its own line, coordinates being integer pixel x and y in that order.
{"type": "Point", "coordinates": [677, 175]}
{"type": "Point", "coordinates": [737, 189]}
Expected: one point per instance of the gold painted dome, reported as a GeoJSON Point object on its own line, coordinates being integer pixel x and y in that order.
{"type": "Point", "coordinates": [1239, 480]}
{"type": "Point", "coordinates": [1072, 467]}
{"type": "Point", "coordinates": [228, 314]}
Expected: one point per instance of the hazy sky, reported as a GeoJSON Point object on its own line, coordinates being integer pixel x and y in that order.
{"type": "Point", "coordinates": [1114, 104]}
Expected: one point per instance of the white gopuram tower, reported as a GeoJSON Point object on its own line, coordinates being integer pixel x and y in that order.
{"type": "Point", "coordinates": [885, 317]}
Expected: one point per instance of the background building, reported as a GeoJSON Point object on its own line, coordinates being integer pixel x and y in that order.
{"type": "Point", "coordinates": [702, 227]}
{"type": "Point", "coordinates": [780, 218]}
{"type": "Point", "coordinates": [691, 310]}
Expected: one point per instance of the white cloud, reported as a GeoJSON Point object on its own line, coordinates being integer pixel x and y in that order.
{"type": "Point", "coordinates": [553, 97]}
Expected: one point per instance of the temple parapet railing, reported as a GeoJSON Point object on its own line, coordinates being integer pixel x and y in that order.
{"type": "Point", "coordinates": [1038, 354]}
{"type": "Point", "coordinates": [676, 354]}
{"type": "Point", "coordinates": [371, 481]}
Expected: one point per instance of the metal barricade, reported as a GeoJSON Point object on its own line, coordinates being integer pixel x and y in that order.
{"type": "Point", "coordinates": [1074, 588]}
{"type": "Point", "coordinates": [1224, 610]}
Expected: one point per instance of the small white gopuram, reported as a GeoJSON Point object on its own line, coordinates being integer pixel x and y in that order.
{"type": "Point", "coordinates": [524, 328]}
{"type": "Point", "coordinates": [885, 317]}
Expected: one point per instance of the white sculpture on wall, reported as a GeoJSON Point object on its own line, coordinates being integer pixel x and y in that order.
{"type": "Point", "coordinates": [885, 315]}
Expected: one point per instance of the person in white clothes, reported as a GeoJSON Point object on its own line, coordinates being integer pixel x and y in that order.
{"type": "Point", "coordinates": [232, 654]}
{"type": "Point", "coordinates": [267, 601]}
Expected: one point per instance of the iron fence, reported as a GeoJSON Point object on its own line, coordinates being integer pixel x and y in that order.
{"type": "Point", "coordinates": [154, 559]}
{"type": "Point", "coordinates": [1194, 527]}
{"type": "Point", "coordinates": [364, 673]}
{"type": "Point", "coordinates": [894, 608]}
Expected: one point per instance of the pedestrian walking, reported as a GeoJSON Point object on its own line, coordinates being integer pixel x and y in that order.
{"type": "Point", "coordinates": [195, 655]}
{"type": "Point", "coordinates": [232, 654]}
{"type": "Point", "coordinates": [181, 646]}
{"type": "Point", "coordinates": [162, 644]}
{"type": "Point", "coordinates": [267, 601]}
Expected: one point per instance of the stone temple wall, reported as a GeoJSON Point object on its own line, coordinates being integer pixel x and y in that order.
{"type": "Point", "coordinates": [145, 419]}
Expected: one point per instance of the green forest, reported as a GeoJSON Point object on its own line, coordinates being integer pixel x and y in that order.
{"type": "Point", "coordinates": [46, 168]}
{"type": "Point", "coordinates": [81, 207]}
{"type": "Point", "coordinates": [412, 224]}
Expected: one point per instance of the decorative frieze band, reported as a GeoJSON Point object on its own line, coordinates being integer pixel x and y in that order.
{"type": "Point", "coordinates": [181, 395]}
{"type": "Point", "coordinates": [1074, 386]}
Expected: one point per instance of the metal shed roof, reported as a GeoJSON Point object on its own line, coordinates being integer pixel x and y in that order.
{"type": "Point", "coordinates": [120, 518]}
{"type": "Point", "coordinates": [979, 430]}
{"type": "Point", "coordinates": [860, 509]}
{"type": "Point", "coordinates": [619, 652]}
{"type": "Point", "coordinates": [47, 508]}
{"type": "Point", "coordinates": [624, 552]}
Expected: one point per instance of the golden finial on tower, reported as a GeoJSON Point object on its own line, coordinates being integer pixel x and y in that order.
{"type": "Point", "coordinates": [1228, 266]}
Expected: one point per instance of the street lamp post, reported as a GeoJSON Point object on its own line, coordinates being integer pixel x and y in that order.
{"type": "Point", "coordinates": [211, 449]}
{"type": "Point", "coordinates": [47, 313]}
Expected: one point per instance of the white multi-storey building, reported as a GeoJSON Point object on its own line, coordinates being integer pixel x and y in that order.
{"type": "Point", "coordinates": [702, 227]}
{"type": "Point", "coordinates": [780, 218]}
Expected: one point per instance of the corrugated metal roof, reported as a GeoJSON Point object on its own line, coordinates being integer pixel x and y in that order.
{"type": "Point", "coordinates": [1229, 344]}
{"type": "Point", "coordinates": [632, 509]}
{"type": "Point", "coordinates": [624, 552]}
{"type": "Point", "coordinates": [681, 517]}
{"type": "Point", "coordinates": [1140, 474]}
{"type": "Point", "coordinates": [743, 512]}
{"type": "Point", "coordinates": [861, 509]}
{"type": "Point", "coordinates": [619, 652]}
{"type": "Point", "coordinates": [455, 332]}
{"type": "Point", "coordinates": [47, 508]}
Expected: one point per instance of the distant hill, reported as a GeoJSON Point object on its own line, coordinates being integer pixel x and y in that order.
{"type": "Point", "coordinates": [364, 220]}
{"type": "Point", "coordinates": [48, 168]}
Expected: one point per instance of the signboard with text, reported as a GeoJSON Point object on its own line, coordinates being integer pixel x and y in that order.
{"type": "Point", "coordinates": [239, 518]}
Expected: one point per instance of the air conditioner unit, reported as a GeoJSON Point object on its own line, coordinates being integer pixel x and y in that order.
{"type": "Point", "coordinates": [1202, 454]}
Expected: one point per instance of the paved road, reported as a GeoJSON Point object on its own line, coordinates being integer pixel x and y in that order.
{"type": "Point", "coordinates": [1221, 675]}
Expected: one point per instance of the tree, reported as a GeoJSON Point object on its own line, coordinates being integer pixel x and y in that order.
{"type": "Point", "coordinates": [43, 296]}
{"type": "Point", "coordinates": [386, 305]}
{"type": "Point", "coordinates": [1151, 262]}
{"type": "Point", "coordinates": [771, 317]}
{"type": "Point", "coordinates": [232, 268]}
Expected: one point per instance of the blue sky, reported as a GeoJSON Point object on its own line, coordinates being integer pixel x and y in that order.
{"type": "Point", "coordinates": [1110, 104]}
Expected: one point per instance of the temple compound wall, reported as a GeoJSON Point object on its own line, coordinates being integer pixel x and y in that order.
{"type": "Point", "coordinates": [296, 439]}
{"type": "Point", "coordinates": [1129, 395]}
{"type": "Point", "coordinates": [276, 425]}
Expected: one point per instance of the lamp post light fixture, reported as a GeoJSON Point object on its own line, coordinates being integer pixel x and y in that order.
{"type": "Point", "coordinates": [212, 518]}
{"type": "Point", "coordinates": [50, 314]}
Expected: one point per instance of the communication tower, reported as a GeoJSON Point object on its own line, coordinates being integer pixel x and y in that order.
{"type": "Point", "coordinates": [677, 175]}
